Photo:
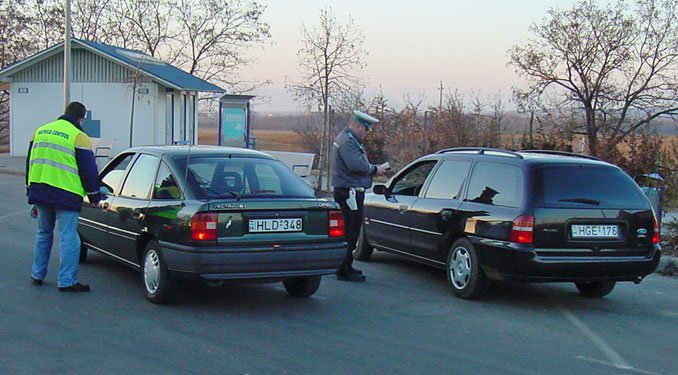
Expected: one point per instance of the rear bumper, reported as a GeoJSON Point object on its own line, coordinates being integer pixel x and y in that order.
{"type": "Point", "coordinates": [265, 263]}
{"type": "Point", "coordinates": [524, 264]}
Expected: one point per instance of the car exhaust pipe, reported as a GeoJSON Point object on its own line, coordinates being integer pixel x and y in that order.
{"type": "Point", "coordinates": [637, 280]}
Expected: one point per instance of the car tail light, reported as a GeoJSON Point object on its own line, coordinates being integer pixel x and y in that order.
{"type": "Point", "coordinates": [335, 224]}
{"type": "Point", "coordinates": [655, 233]}
{"type": "Point", "coordinates": [204, 226]}
{"type": "Point", "coordinates": [522, 230]}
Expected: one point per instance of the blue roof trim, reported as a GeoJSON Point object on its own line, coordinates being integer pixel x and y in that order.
{"type": "Point", "coordinates": [153, 67]}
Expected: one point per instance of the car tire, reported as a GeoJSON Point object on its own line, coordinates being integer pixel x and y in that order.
{"type": "Point", "coordinates": [464, 274]}
{"type": "Point", "coordinates": [302, 286]}
{"type": "Point", "coordinates": [158, 285]}
{"type": "Point", "coordinates": [363, 250]}
{"type": "Point", "coordinates": [596, 289]}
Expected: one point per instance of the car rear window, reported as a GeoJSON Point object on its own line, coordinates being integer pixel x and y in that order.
{"type": "Point", "coordinates": [589, 186]}
{"type": "Point", "coordinates": [224, 177]}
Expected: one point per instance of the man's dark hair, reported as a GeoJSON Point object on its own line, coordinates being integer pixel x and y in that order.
{"type": "Point", "coordinates": [75, 110]}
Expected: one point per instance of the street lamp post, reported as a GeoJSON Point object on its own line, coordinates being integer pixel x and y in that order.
{"type": "Point", "coordinates": [67, 53]}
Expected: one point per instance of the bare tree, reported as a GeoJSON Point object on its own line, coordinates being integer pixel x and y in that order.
{"type": "Point", "coordinates": [15, 44]}
{"type": "Point", "coordinates": [330, 55]}
{"type": "Point", "coordinates": [214, 34]}
{"type": "Point", "coordinates": [45, 22]}
{"type": "Point", "coordinates": [617, 66]}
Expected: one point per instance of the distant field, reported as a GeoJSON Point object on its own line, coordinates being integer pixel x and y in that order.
{"type": "Point", "coordinates": [269, 140]}
{"type": "Point", "coordinates": [287, 140]}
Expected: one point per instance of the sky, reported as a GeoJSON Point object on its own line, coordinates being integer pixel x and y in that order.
{"type": "Point", "coordinates": [412, 46]}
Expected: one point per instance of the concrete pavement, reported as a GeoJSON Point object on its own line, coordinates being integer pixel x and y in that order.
{"type": "Point", "coordinates": [16, 165]}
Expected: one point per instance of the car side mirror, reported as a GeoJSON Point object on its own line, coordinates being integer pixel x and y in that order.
{"type": "Point", "coordinates": [380, 189]}
{"type": "Point", "coordinates": [105, 189]}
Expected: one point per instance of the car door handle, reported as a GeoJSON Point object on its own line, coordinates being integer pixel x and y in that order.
{"type": "Point", "coordinates": [403, 208]}
{"type": "Point", "coordinates": [137, 214]}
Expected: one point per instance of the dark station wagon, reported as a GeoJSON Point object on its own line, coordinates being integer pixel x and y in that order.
{"type": "Point", "coordinates": [536, 216]}
{"type": "Point", "coordinates": [212, 214]}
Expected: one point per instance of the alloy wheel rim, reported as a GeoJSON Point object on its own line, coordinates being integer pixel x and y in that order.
{"type": "Point", "coordinates": [460, 268]}
{"type": "Point", "coordinates": [152, 271]}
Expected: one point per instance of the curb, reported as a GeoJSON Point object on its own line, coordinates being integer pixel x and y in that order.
{"type": "Point", "coordinates": [12, 172]}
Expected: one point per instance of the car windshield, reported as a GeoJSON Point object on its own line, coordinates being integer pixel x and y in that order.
{"type": "Point", "coordinates": [232, 177]}
{"type": "Point", "coordinates": [590, 186]}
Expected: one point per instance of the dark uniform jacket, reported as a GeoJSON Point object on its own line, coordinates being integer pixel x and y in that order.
{"type": "Point", "coordinates": [351, 168]}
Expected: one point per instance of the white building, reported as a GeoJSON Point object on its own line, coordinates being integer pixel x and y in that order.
{"type": "Point", "coordinates": [104, 79]}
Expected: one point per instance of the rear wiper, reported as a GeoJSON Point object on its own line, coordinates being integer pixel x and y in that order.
{"type": "Point", "coordinates": [581, 200]}
{"type": "Point", "coordinates": [219, 195]}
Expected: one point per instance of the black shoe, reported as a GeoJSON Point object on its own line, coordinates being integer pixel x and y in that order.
{"type": "Point", "coordinates": [77, 287]}
{"type": "Point", "coordinates": [351, 277]}
{"type": "Point", "coordinates": [36, 281]}
{"type": "Point", "coordinates": [354, 271]}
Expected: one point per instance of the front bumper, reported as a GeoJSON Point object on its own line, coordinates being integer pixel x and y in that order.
{"type": "Point", "coordinates": [516, 263]}
{"type": "Point", "coordinates": [214, 263]}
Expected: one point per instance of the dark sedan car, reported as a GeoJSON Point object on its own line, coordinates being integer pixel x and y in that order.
{"type": "Point", "coordinates": [212, 214]}
{"type": "Point", "coordinates": [537, 216]}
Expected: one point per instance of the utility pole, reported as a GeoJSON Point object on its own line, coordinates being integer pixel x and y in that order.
{"type": "Point", "coordinates": [67, 53]}
{"type": "Point", "coordinates": [440, 105]}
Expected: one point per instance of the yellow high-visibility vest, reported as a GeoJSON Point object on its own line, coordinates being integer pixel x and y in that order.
{"type": "Point", "coordinates": [52, 160]}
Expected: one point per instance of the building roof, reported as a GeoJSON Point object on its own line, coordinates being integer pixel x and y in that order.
{"type": "Point", "coordinates": [154, 68]}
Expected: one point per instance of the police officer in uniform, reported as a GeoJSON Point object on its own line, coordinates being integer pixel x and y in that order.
{"type": "Point", "coordinates": [352, 174]}
{"type": "Point", "coordinates": [60, 171]}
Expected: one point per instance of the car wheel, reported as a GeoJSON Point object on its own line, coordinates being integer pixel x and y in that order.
{"type": "Point", "coordinates": [595, 289]}
{"type": "Point", "coordinates": [158, 285]}
{"type": "Point", "coordinates": [464, 274]}
{"type": "Point", "coordinates": [363, 250]}
{"type": "Point", "coordinates": [302, 286]}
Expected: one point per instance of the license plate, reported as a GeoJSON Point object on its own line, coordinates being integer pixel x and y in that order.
{"type": "Point", "coordinates": [275, 225]}
{"type": "Point", "coordinates": [595, 231]}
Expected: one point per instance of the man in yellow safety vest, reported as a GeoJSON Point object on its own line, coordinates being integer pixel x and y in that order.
{"type": "Point", "coordinates": [60, 171]}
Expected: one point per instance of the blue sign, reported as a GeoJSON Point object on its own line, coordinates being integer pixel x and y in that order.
{"type": "Point", "coordinates": [233, 125]}
{"type": "Point", "coordinates": [91, 127]}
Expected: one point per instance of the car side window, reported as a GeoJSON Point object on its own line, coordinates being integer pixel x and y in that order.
{"type": "Point", "coordinates": [496, 184]}
{"type": "Point", "coordinates": [141, 177]}
{"type": "Point", "coordinates": [411, 182]}
{"type": "Point", "coordinates": [115, 173]}
{"type": "Point", "coordinates": [165, 185]}
{"type": "Point", "coordinates": [448, 180]}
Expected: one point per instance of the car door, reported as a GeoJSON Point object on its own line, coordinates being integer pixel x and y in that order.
{"type": "Point", "coordinates": [93, 221]}
{"type": "Point", "coordinates": [127, 210]}
{"type": "Point", "coordinates": [435, 213]}
{"type": "Point", "coordinates": [166, 202]}
{"type": "Point", "coordinates": [389, 214]}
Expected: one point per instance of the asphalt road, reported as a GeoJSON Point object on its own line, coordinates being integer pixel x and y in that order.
{"type": "Point", "coordinates": [403, 320]}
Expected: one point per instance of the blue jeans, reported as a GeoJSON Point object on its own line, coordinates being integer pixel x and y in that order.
{"type": "Point", "coordinates": [69, 244]}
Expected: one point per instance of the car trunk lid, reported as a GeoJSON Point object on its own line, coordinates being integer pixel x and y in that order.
{"type": "Point", "coordinates": [263, 221]}
{"type": "Point", "coordinates": [593, 231]}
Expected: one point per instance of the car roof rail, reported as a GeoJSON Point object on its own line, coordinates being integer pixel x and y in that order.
{"type": "Point", "coordinates": [561, 153]}
{"type": "Point", "coordinates": [481, 150]}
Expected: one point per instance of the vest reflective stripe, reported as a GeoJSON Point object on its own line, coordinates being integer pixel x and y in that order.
{"type": "Point", "coordinates": [54, 164]}
{"type": "Point", "coordinates": [52, 160]}
{"type": "Point", "coordinates": [55, 147]}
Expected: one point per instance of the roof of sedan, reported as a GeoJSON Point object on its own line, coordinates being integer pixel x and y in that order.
{"type": "Point", "coordinates": [201, 150]}
{"type": "Point", "coordinates": [532, 156]}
